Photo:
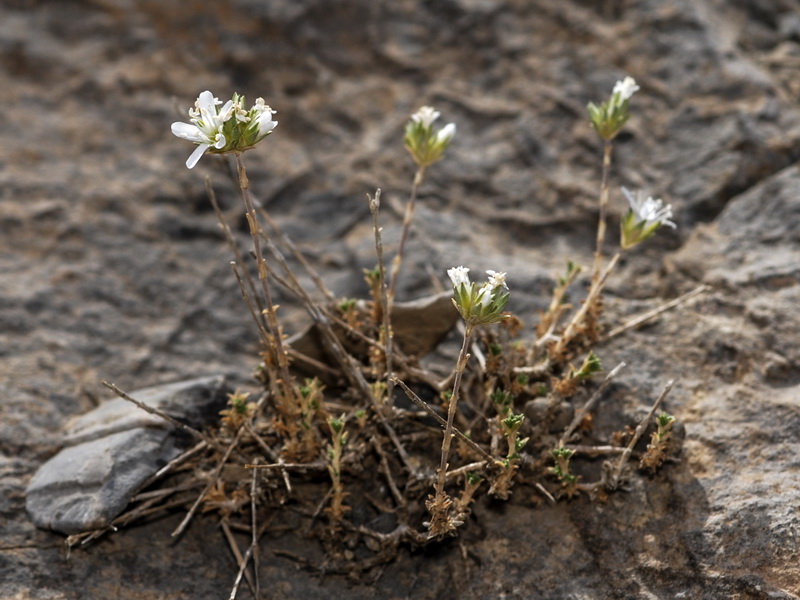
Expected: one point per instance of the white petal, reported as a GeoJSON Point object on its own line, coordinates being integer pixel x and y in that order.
{"type": "Point", "coordinates": [497, 279]}
{"type": "Point", "coordinates": [425, 115]}
{"type": "Point", "coordinates": [626, 88]}
{"type": "Point", "coordinates": [205, 101]}
{"type": "Point", "coordinates": [220, 141]}
{"type": "Point", "coordinates": [635, 202]}
{"type": "Point", "coordinates": [265, 123]}
{"type": "Point", "coordinates": [196, 155]}
{"type": "Point", "coordinates": [486, 294]}
{"type": "Point", "coordinates": [458, 275]}
{"type": "Point", "coordinates": [446, 133]}
{"type": "Point", "coordinates": [225, 112]}
{"type": "Point", "coordinates": [185, 131]}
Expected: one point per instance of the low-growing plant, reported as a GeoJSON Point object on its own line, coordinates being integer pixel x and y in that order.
{"type": "Point", "coordinates": [433, 458]}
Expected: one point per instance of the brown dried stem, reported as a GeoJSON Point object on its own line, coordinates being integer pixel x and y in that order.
{"type": "Point", "coordinates": [441, 523]}
{"type": "Point", "coordinates": [651, 314]}
{"type": "Point", "coordinates": [576, 421]}
{"type": "Point", "coordinates": [231, 240]}
{"type": "Point", "coordinates": [388, 334]}
{"type": "Point", "coordinates": [255, 231]}
{"type": "Point", "coordinates": [424, 406]}
{"type": "Point", "coordinates": [287, 241]}
{"type": "Point", "coordinates": [160, 413]}
{"type": "Point", "coordinates": [240, 560]}
{"type": "Point", "coordinates": [218, 469]}
{"type": "Point", "coordinates": [640, 429]}
{"type": "Point", "coordinates": [579, 317]}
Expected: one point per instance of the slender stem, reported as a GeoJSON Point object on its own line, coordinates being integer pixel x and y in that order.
{"type": "Point", "coordinates": [254, 528]}
{"type": "Point", "coordinates": [461, 365]}
{"type": "Point", "coordinates": [387, 296]}
{"type": "Point", "coordinates": [407, 219]}
{"type": "Point", "coordinates": [601, 225]}
{"type": "Point", "coordinates": [424, 406]}
{"type": "Point", "coordinates": [226, 230]}
{"type": "Point", "coordinates": [474, 466]}
{"type": "Point", "coordinates": [282, 237]}
{"type": "Point", "coordinates": [591, 298]}
{"type": "Point", "coordinates": [350, 367]}
{"type": "Point", "coordinates": [620, 466]}
{"type": "Point", "coordinates": [552, 316]}
{"type": "Point", "coordinates": [214, 476]}
{"type": "Point", "coordinates": [258, 315]}
{"type": "Point", "coordinates": [272, 317]}
{"type": "Point", "coordinates": [651, 314]}
{"type": "Point", "coordinates": [578, 418]}
{"type": "Point", "coordinates": [388, 334]}
{"type": "Point", "coordinates": [160, 413]}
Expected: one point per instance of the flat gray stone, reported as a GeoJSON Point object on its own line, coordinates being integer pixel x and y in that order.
{"type": "Point", "coordinates": [112, 450]}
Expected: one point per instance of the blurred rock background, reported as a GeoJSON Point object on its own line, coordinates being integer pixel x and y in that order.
{"type": "Point", "coordinates": [112, 265]}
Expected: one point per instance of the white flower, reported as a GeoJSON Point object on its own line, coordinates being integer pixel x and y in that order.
{"type": "Point", "coordinates": [625, 88]}
{"type": "Point", "coordinates": [497, 279]}
{"type": "Point", "coordinates": [446, 134]}
{"type": "Point", "coordinates": [649, 211]}
{"type": "Point", "coordinates": [425, 145]}
{"type": "Point", "coordinates": [486, 294]}
{"type": "Point", "coordinates": [459, 276]}
{"type": "Point", "coordinates": [240, 113]}
{"type": "Point", "coordinates": [425, 116]}
{"type": "Point", "coordinates": [206, 127]}
{"type": "Point", "coordinates": [479, 304]}
{"type": "Point", "coordinates": [230, 128]}
{"type": "Point", "coordinates": [263, 115]}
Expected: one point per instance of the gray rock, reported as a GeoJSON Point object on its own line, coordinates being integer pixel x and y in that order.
{"type": "Point", "coordinates": [755, 240]}
{"type": "Point", "coordinates": [112, 450]}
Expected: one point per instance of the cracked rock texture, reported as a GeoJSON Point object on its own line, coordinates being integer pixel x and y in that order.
{"type": "Point", "coordinates": [112, 266]}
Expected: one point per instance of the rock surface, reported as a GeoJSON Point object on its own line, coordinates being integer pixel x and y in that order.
{"type": "Point", "coordinates": [113, 267]}
{"type": "Point", "coordinates": [112, 450]}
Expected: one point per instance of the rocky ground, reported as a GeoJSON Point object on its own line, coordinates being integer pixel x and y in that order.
{"type": "Point", "coordinates": [112, 266]}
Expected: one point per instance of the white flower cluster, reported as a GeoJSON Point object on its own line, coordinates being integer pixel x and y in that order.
{"type": "Point", "coordinates": [482, 304]}
{"type": "Point", "coordinates": [229, 128]}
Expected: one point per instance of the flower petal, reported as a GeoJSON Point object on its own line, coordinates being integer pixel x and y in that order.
{"type": "Point", "coordinates": [425, 116]}
{"type": "Point", "coordinates": [446, 133]}
{"type": "Point", "coordinates": [220, 141]}
{"type": "Point", "coordinates": [196, 155]}
{"type": "Point", "coordinates": [265, 123]}
{"type": "Point", "coordinates": [497, 279]}
{"type": "Point", "coordinates": [225, 112]}
{"type": "Point", "coordinates": [185, 131]}
{"type": "Point", "coordinates": [205, 101]}
{"type": "Point", "coordinates": [459, 276]}
{"type": "Point", "coordinates": [626, 88]}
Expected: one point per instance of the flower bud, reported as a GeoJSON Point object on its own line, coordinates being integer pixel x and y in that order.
{"type": "Point", "coordinates": [425, 146]}
{"type": "Point", "coordinates": [608, 118]}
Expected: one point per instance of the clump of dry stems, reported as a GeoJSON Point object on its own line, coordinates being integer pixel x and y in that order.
{"type": "Point", "coordinates": [369, 450]}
